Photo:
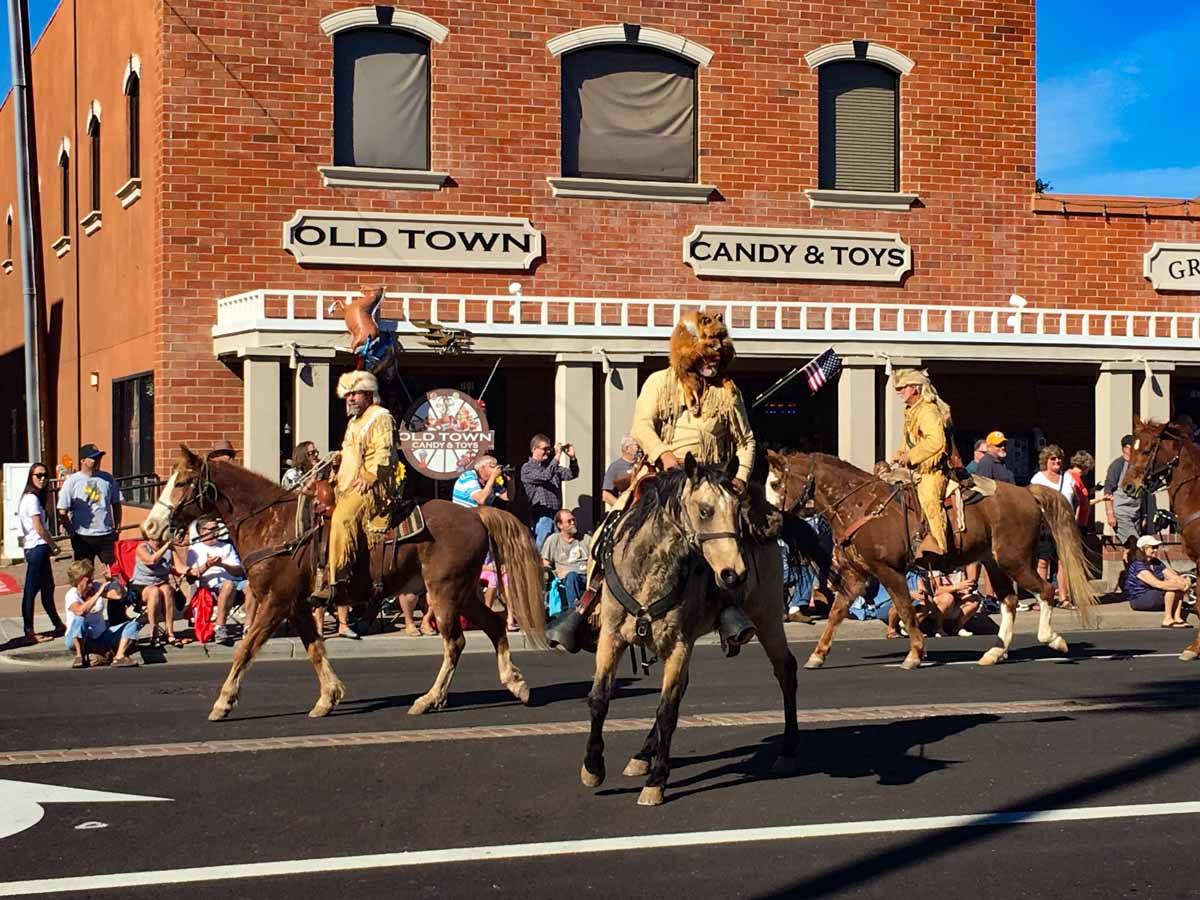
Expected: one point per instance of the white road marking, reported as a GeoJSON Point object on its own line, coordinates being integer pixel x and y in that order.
{"type": "Point", "coordinates": [1119, 657]}
{"type": "Point", "coordinates": [21, 802]}
{"type": "Point", "coordinates": [623, 844]}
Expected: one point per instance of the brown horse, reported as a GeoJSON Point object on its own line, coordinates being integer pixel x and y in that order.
{"type": "Point", "coordinates": [1164, 455]}
{"type": "Point", "coordinates": [447, 556]}
{"type": "Point", "coordinates": [674, 551]}
{"type": "Point", "coordinates": [873, 536]}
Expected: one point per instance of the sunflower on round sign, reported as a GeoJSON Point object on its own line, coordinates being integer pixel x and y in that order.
{"type": "Point", "coordinates": [401, 474]}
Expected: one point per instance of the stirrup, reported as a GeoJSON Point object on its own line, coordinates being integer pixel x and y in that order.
{"type": "Point", "coordinates": [735, 629]}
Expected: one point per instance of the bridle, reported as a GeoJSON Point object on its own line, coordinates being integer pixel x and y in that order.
{"type": "Point", "coordinates": [205, 498]}
{"type": "Point", "coordinates": [807, 493]}
{"type": "Point", "coordinates": [1157, 479]}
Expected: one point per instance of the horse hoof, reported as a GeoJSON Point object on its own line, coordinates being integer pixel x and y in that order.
{"type": "Point", "coordinates": [650, 796]}
{"type": "Point", "coordinates": [910, 663]}
{"type": "Point", "coordinates": [1185, 656]}
{"type": "Point", "coordinates": [815, 662]}
{"type": "Point", "coordinates": [521, 692]}
{"type": "Point", "coordinates": [637, 768]}
{"type": "Point", "coordinates": [590, 780]}
{"type": "Point", "coordinates": [784, 765]}
{"type": "Point", "coordinates": [1058, 644]}
{"type": "Point", "coordinates": [992, 657]}
{"type": "Point", "coordinates": [218, 713]}
{"type": "Point", "coordinates": [321, 710]}
{"type": "Point", "coordinates": [419, 708]}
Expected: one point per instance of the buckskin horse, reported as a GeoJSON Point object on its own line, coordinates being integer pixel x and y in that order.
{"type": "Point", "coordinates": [674, 551]}
{"type": "Point", "coordinates": [448, 556]}
{"type": "Point", "coordinates": [1164, 455]}
{"type": "Point", "coordinates": [874, 524]}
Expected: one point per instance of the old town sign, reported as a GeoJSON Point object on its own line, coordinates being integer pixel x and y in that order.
{"type": "Point", "coordinates": [812, 255]}
{"type": "Point", "coordinates": [397, 241]}
{"type": "Point", "coordinates": [1173, 267]}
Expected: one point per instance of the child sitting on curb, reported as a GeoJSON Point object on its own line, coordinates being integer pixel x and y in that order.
{"type": "Point", "coordinates": [88, 631]}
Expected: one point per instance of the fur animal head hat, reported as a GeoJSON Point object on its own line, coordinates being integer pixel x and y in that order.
{"type": "Point", "coordinates": [700, 340]}
{"type": "Point", "coordinates": [357, 380]}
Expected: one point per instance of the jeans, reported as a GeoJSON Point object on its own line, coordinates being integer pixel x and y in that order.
{"type": "Point", "coordinates": [38, 577]}
{"type": "Point", "coordinates": [543, 527]}
{"type": "Point", "coordinates": [110, 639]}
{"type": "Point", "coordinates": [573, 585]}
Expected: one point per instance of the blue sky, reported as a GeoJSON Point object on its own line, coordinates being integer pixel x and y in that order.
{"type": "Point", "coordinates": [1117, 108]}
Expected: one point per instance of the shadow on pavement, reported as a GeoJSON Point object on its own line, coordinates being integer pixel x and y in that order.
{"type": "Point", "coordinates": [466, 701]}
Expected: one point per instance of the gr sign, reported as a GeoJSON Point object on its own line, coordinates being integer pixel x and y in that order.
{"type": "Point", "coordinates": [1173, 267]}
{"type": "Point", "coordinates": [395, 241]}
{"type": "Point", "coordinates": [810, 255]}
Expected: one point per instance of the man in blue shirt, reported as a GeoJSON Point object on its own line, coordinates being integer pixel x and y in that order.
{"type": "Point", "coordinates": [91, 501]}
{"type": "Point", "coordinates": [481, 484]}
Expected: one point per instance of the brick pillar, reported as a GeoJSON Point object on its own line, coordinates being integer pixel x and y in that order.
{"type": "Point", "coordinates": [573, 387]}
{"type": "Point", "coordinates": [856, 411]}
{"type": "Point", "coordinates": [260, 414]}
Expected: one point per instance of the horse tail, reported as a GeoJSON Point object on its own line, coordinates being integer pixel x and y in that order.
{"type": "Point", "coordinates": [1073, 563]}
{"type": "Point", "coordinates": [526, 589]}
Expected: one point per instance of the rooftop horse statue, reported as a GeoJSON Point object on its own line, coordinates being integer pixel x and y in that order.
{"type": "Point", "coordinates": [1164, 455]}
{"type": "Point", "coordinates": [674, 551]}
{"type": "Point", "coordinates": [447, 556]}
{"type": "Point", "coordinates": [874, 525]}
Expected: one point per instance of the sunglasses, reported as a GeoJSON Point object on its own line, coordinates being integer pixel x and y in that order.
{"type": "Point", "coordinates": [38, 475]}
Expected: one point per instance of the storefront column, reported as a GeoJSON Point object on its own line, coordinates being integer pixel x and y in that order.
{"type": "Point", "coordinates": [260, 414]}
{"type": "Point", "coordinates": [574, 377]}
{"type": "Point", "coordinates": [620, 395]}
{"type": "Point", "coordinates": [312, 391]}
{"type": "Point", "coordinates": [1114, 411]}
{"type": "Point", "coordinates": [893, 408]}
{"type": "Point", "coordinates": [1154, 396]}
{"type": "Point", "coordinates": [856, 411]}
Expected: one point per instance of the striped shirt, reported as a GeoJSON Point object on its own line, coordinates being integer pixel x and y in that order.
{"type": "Point", "coordinates": [468, 483]}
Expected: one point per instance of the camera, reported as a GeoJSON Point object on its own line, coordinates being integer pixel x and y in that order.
{"type": "Point", "coordinates": [507, 471]}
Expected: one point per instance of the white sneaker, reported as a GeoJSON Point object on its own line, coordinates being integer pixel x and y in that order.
{"type": "Point", "coordinates": [1023, 607]}
{"type": "Point", "coordinates": [962, 632]}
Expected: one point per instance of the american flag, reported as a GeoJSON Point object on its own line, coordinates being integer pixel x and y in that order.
{"type": "Point", "coordinates": [822, 369]}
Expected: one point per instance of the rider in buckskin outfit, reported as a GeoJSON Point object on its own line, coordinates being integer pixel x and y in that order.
{"type": "Point", "coordinates": [693, 406]}
{"type": "Point", "coordinates": [926, 452]}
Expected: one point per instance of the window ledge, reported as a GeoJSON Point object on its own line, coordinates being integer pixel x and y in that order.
{"type": "Point", "coordinates": [619, 189]}
{"type": "Point", "coordinates": [7, 266]}
{"type": "Point", "coordinates": [62, 246]}
{"type": "Point", "coordinates": [886, 201]}
{"type": "Point", "coordinates": [129, 192]}
{"type": "Point", "coordinates": [392, 179]}
{"type": "Point", "coordinates": [91, 222]}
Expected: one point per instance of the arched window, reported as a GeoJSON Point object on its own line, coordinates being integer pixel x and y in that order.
{"type": "Point", "coordinates": [62, 245]}
{"type": "Point", "coordinates": [859, 127]}
{"type": "Point", "coordinates": [93, 131]}
{"type": "Point", "coordinates": [133, 88]}
{"type": "Point", "coordinates": [628, 112]}
{"type": "Point", "coordinates": [7, 263]}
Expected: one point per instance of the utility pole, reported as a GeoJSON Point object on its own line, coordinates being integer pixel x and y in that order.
{"type": "Point", "coordinates": [29, 214]}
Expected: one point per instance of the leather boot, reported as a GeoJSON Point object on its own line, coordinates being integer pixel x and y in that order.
{"type": "Point", "coordinates": [929, 553]}
{"type": "Point", "coordinates": [735, 629]}
{"type": "Point", "coordinates": [563, 632]}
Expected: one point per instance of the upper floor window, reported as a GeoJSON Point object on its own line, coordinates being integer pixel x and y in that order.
{"type": "Point", "coordinates": [629, 114]}
{"type": "Point", "coordinates": [133, 92]}
{"type": "Point", "coordinates": [7, 263]}
{"type": "Point", "coordinates": [859, 126]}
{"type": "Point", "coordinates": [62, 245]}
{"type": "Point", "coordinates": [381, 98]}
{"type": "Point", "coordinates": [93, 131]}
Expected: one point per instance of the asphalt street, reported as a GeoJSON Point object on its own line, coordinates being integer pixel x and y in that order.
{"type": "Point", "coordinates": [484, 797]}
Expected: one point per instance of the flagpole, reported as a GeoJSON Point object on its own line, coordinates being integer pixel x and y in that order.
{"type": "Point", "coordinates": [782, 382]}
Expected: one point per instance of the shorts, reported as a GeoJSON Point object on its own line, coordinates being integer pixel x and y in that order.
{"type": "Point", "coordinates": [1127, 523]}
{"type": "Point", "coordinates": [1046, 550]}
{"type": "Point", "coordinates": [90, 546]}
{"type": "Point", "coordinates": [490, 582]}
{"type": "Point", "coordinates": [1149, 600]}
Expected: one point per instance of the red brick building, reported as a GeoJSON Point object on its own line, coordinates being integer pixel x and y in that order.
{"type": "Point", "coordinates": [890, 148]}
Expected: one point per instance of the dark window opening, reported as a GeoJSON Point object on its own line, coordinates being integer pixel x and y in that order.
{"type": "Point", "coordinates": [859, 127]}
{"type": "Point", "coordinates": [64, 191]}
{"type": "Point", "coordinates": [629, 112]}
{"type": "Point", "coordinates": [133, 438]}
{"type": "Point", "coordinates": [94, 141]}
{"type": "Point", "coordinates": [132, 97]}
{"type": "Point", "coordinates": [381, 99]}
{"type": "Point", "coordinates": [8, 231]}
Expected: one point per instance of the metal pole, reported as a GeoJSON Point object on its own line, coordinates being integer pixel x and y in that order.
{"type": "Point", "coordinates": [18, 33]}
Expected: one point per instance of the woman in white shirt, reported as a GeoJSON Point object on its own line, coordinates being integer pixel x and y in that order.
{"type": "Point", "coordinates": [39, 549]}
{"type": "Point", "coordinates": [1053, 475]}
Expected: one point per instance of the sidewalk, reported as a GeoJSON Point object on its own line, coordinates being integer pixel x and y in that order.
{"type": "Point", "coordinates": [1113, 616]}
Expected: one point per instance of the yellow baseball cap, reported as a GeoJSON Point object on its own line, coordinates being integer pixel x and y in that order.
{"type": "Point", "coordinates": [996, 438]}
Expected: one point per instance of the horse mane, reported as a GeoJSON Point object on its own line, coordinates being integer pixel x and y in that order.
{"type": "Point", "coordinates": [839, 465]}
{"type": "Point", "coordinates": [663, 494]}
{"type": "Point", "coordinates": [245, 479]}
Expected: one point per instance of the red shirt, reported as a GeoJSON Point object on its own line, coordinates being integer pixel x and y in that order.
{"type": "Point", "coordinates": [1083, 509]}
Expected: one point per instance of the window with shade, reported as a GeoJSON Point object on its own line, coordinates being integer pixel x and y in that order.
{"type": "Point", "coordinates": [133, 438]}
{"type": "Point", "coordinates": [94, 142]}
{"type": "Point", "coordinates": [628, 112]}
{"type": "Point", "coordinates": [859, 116]}
{"type": "Point", "coordinates": [381, 99]}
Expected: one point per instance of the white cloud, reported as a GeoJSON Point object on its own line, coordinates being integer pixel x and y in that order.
{"type": "Point", "coordinates": [1172, 181]}
{"type": "Point", "coordinates": [1079, 116]}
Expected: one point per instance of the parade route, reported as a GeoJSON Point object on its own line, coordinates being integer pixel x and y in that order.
{"type": "Point", "coordinates": [906, 779]}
